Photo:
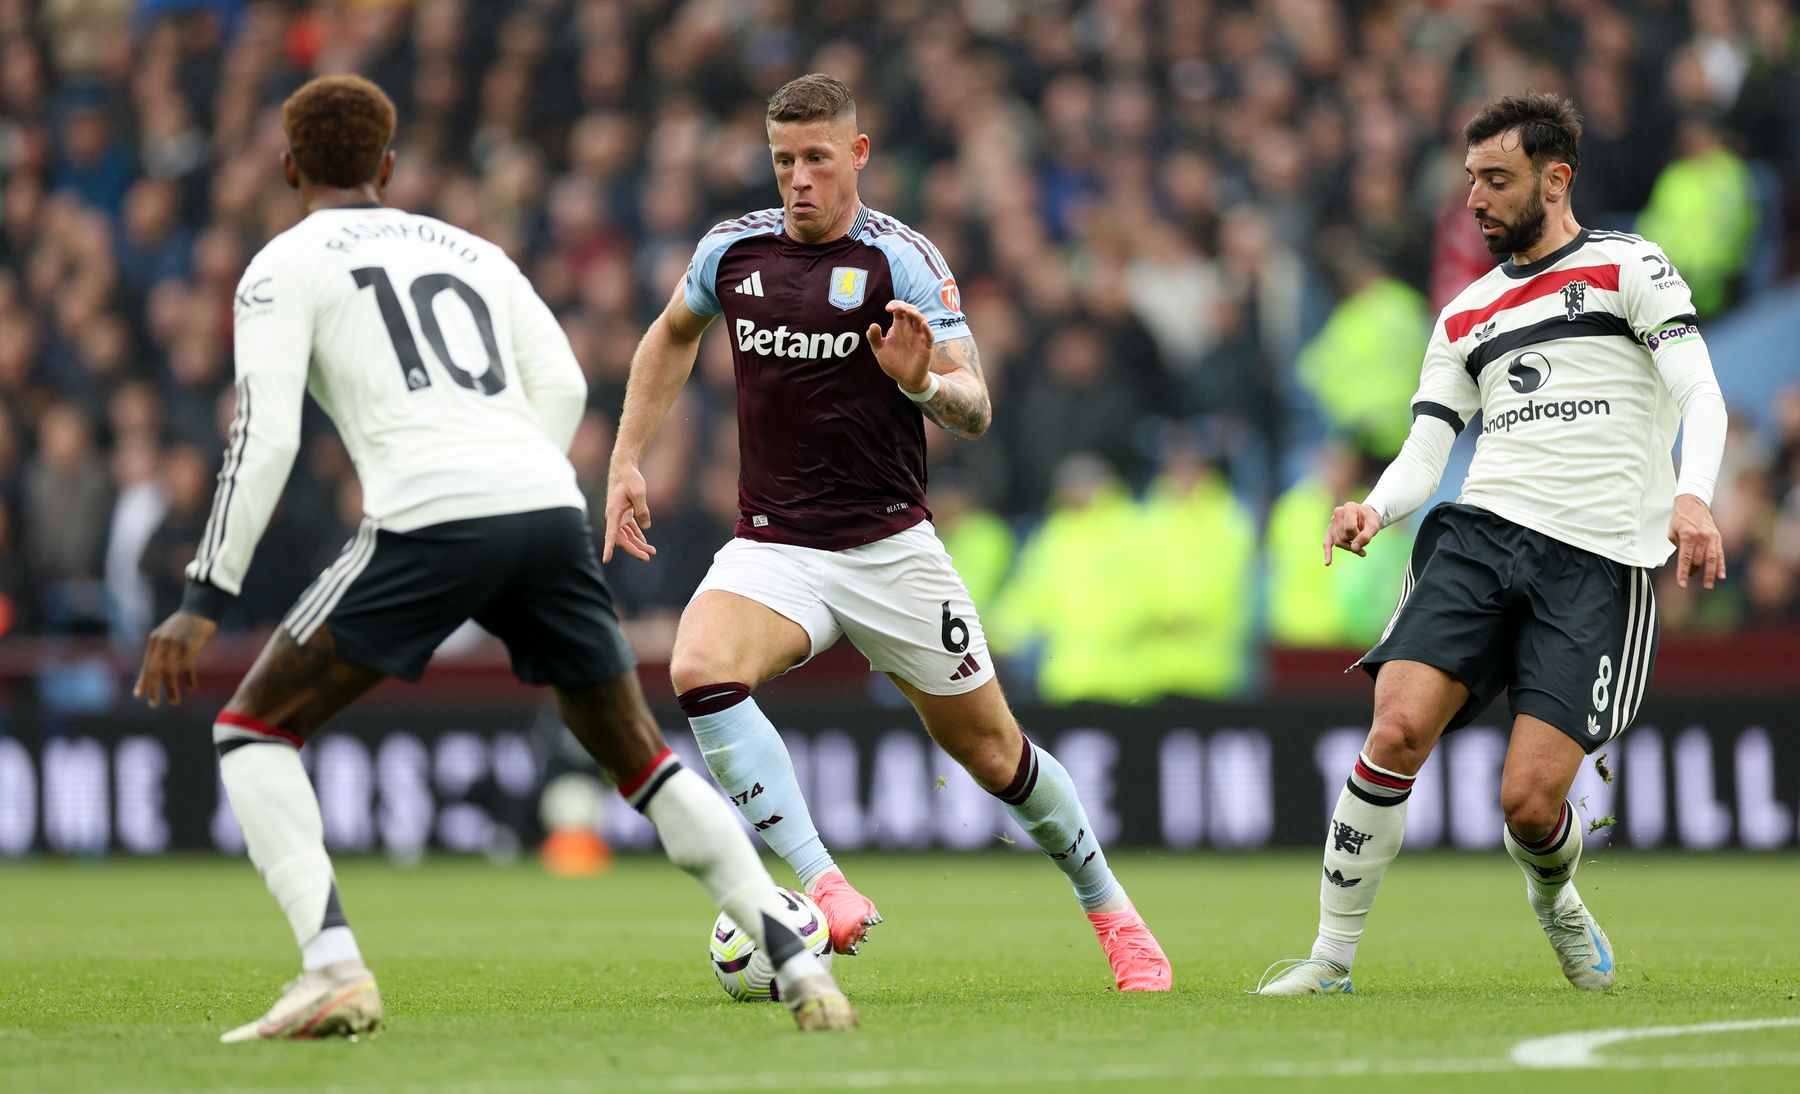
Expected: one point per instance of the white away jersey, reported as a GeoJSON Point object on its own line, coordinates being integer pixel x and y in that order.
{"type": "Point", "coordinates": [450, 381]}
{"type": "Point", "coordinates": [1578, 425]}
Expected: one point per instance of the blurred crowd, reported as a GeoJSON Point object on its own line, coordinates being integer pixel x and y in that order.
{"type": "Point", "coordinates": [1201, 243]}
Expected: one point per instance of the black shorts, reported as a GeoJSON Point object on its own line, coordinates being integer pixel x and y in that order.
{"type": "Point", "coordinates": [530, 578]}
{"type": "Point", "coordinates": [1570, 635]}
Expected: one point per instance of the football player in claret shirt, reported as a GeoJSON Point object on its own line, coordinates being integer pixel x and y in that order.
{"type": "Point", "coordinates": [457, 395]}
{"type": "Point", "coordinates": [847, 333]}
{"type": "Point", "coordinates": [1581, 353]}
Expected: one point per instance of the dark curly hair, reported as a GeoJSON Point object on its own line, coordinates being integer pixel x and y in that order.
{"type": "Point", "coordinates": [1548, 124]}
{"type": "Point", "coordinates": [811, 97]}
{"type": "Point", "coordinates": [337, 128]}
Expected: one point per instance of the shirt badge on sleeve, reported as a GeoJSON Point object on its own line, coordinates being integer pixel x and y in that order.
{"type": "Point", "coordinates": [847, 286]}
{"type": "Point", "coordinates": [253, 299]}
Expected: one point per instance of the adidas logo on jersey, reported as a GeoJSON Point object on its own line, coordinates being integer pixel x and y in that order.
{"type": "Point", "coordinates": [782, 342]}
{"type": "Point", "coordinates": [751, 286]}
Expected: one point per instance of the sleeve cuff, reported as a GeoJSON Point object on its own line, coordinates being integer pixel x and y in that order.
{"type": "Point", "coordinates": [1700, 491]}
{"type": "Point", "coordinates": [206, 600]}
{"type": "Point", "coordinates": [1441, 412]}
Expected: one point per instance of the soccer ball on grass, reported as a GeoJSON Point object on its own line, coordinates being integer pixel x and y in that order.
{"type": "Point", "coordinates": [743, 970]}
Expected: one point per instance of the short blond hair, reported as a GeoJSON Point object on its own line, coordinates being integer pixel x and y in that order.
{"type": "Point", "coordinates": [811, 97]}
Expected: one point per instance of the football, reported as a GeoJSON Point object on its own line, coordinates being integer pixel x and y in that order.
{"type": "Point", "coordinates": [743, 970]}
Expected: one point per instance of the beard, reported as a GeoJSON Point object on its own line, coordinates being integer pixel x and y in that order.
{"type": "Point", "coordinates": [1523, 233]}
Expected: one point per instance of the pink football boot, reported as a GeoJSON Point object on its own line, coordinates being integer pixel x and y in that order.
{"type": "Point", "coordinates": [1137, 961]}
{"type": "Point", "coordinates": [848, 913]}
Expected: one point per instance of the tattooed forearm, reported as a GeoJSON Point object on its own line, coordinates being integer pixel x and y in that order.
{"type": "Point", "coordinates": [961, 404]}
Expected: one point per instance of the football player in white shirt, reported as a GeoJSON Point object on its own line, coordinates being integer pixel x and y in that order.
{"type": "Point", "coordinates": [1582, 354]}
{"type": "Point", "coordinates": [457, 395]}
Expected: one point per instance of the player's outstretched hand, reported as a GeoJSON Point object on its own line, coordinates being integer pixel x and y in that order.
{"type": "Point", "coordinates": [904, 352]}
{"type": "Point", "coordinates": [627, 514]}
{"type": "Point", "coordinates": [1352, 527]}
{"type": "Point", "coordinates": [1692, 531]}
{"type": "Point", "coordinates": [169, 657]}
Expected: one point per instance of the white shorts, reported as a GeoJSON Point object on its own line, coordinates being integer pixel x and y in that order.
{"type": "Point", "coordinates": [899, 599]}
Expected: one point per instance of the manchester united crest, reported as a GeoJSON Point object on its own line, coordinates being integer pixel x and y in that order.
{"type": "Point", "coordinates": [1574, 296]}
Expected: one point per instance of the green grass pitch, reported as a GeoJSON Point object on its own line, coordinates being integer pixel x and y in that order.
{"type": "Point", "coordinates": [119, 975]}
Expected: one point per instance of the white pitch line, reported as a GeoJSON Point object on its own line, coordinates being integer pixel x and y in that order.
{"type": "Point", "coordinates": [1566, 1050]}
{"type": "Point", "coordinates": [1582, 1049]}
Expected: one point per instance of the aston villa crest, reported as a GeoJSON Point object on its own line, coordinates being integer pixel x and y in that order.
{"type": "Point", "coordinates": [847, 285]}
{"type": "Point", "coordinates": [1574, 298]}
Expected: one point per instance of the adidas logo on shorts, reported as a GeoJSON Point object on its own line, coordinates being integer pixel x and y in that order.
{"type": "Point", "coordinates": [968, 668]}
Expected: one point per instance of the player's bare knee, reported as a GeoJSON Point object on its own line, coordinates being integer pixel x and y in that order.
{"type": "Point", "coordinates": [989, 753]}
{"type": "Point", "coordinates": [1531, 811]}
{"type": "Point", "coordinates": [1399, 743]}
{"type": "Point", "coordinates": [991, 767]}
{"type": "Point", "coordinates": [695, 666]}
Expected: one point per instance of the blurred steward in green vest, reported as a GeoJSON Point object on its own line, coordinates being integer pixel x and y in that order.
{"type": "Point", "coordinates": [1078, 597]}
{"type": "Point", "coordinates": [979, 540]}
{"type": "Point", "coordinates": [1315, 606]}
{"type": "Point", "coordinates": [1702, 213]}
{"type": "Point", "coordinates": [1363, 365]}
{"type": "Point", "coordinates": [1194, 564]}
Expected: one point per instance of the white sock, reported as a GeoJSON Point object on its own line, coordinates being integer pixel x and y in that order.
{"type": "Point", "coordinates": [279, 814]}
{"type": "Point", "coordinates": [700, 835]}
{"type": "Point", "coordinates": [328, 947]}
{"type": "Point", "coordinates": [1366, 830]}
{"type": "Point", "coordinates": [1549, 864]}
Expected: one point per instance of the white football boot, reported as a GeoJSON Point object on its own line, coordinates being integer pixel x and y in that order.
{"type": "Point", "coordinates": [1580, 944]}
{"type": "Point", "coordinates": [1304, 976]}
{"type": "Point", "coordinates": [339, 1000]}
{"type": "Point", "coordinates": [818, 1005]}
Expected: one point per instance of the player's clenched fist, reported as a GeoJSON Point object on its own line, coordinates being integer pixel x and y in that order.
{"type": "Point", "coordinates": [1352, 527]}
{"type": "Point", "coordinates": [627, 514]}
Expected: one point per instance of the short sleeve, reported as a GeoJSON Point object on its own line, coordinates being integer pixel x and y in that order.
{"type": "Point", "coordinates": [703, 272]}
{"type": "Point", "coordinates": [1652, 290]}
{"type": "Point", "coordinates": [1446, 390]}
{"type": "Point", "coordinates": [922, 278]}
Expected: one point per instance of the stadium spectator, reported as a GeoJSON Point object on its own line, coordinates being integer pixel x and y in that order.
{"type": "Point", "coordinates": [1197, 548]}
{"type": "Point", "coordinates": [1310, 605]}
{"type": "Point", "coordinates": [1079, 403]}
{"type": "Point", "coordinates": [153, 244]}
{"type": "Point", "coordinates": [1363, 366]}
{"type": "Point", "coordinates": [977, 539]}
{"type": "Point", "coordinates": [187, 488]}
{"type": "Point", "coordinates": [138, 507]}
{"type": "Point", "coordinates": [1072, 606]}
{"type": "Point", "coordinates": [66, 502]}
{"type": "Point", "coordinates": [1703, 212]}
{"type": "Point", "coordinates": [92, 163]}
{"type": "Point", "coordinates": [1143, 203]}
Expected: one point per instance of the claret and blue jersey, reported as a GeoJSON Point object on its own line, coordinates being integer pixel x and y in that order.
{"type": "Point", "coordinates": [832, 454]}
